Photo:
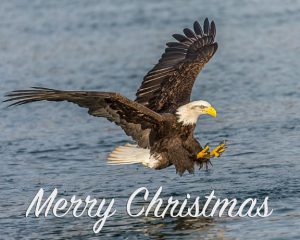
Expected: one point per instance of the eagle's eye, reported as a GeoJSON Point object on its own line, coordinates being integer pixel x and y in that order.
{"type": "Point", "coordinates": [199, 107]}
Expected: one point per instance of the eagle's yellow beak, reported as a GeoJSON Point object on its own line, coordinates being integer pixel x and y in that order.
{"type": "Point", "coordinates": [211, 111]}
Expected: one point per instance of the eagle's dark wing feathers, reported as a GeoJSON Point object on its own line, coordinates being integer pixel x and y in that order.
{"type": "Point", "coordinates": [135, 119]}
{"type": "Point", "coordinates": [169, 84]}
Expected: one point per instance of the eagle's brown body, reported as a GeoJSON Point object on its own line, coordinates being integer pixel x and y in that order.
{"type": "Point", "coordinates": [175, 142]}
{"type": "Point", "coordinates": [151, 120]}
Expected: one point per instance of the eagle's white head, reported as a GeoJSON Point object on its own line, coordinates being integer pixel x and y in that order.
{"type": "Point", "coordinates": [188, 114]}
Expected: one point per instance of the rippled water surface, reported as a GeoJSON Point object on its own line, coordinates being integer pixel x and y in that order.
{"type": "Point", "coordinates": [253, 81]}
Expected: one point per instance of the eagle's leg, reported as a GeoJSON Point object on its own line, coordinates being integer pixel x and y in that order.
{"type": "Point", "coordinates": [216, 152]}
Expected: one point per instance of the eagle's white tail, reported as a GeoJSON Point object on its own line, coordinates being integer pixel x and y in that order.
{"type": "Point", "coordinates": [130, 154]}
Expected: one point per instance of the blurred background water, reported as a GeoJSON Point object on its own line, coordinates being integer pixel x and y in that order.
{"type": "Point", "coordinates": [253, 81]}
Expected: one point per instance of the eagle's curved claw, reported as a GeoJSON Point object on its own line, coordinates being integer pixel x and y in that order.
{"type": "Point", "coordinates": [216, 152]}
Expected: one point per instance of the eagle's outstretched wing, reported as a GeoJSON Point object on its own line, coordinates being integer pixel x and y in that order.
{"type": "Point", "coordinates": [135, 119]}
{"type": "Point", "coordinates": [169, 84]}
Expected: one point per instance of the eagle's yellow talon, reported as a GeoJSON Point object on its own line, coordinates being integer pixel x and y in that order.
{"type": "Point", "coordinates": [206, 148]}
{"type": "Point", "coordinates": [216, 152]}
{"type": "Point", "coordinates": [204, 153]}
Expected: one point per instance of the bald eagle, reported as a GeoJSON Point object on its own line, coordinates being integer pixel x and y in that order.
{"type": "Point", "coordinates": [161, 120]}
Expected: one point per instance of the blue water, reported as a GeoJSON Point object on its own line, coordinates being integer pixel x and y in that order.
{"type": "Point", "coordinates": [253, 82]}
